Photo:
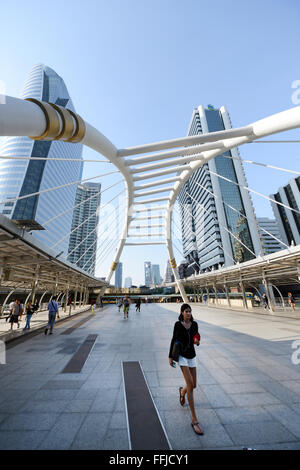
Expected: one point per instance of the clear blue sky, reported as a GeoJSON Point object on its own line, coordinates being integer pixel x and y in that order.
{"type": "Point", "coordinates": [136, 69]}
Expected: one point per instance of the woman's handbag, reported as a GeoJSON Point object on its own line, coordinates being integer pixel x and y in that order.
{"type": "Point", "coordinates": [176, 351]}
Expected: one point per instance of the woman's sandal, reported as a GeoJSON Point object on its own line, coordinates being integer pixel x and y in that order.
{"type": "Point", "coordinates": [197, 432]}
{"type": "Point", "coordinates": [181, 397]}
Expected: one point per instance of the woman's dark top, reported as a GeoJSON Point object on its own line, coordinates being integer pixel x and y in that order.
{"type": "Point", "coordinates": [185, 338]}
{"type": "Point", "coordinates": [29, 310]}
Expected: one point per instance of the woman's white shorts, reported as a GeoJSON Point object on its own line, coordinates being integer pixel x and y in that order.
{"type": "Point", "coordinates": [183, 361]}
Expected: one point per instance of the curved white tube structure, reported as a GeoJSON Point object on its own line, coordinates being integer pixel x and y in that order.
{"type": "Point", "coordinates": [50, 122]}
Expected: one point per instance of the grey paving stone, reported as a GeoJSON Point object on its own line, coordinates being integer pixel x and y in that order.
{"type": "Point", "coordinates": [29, 421]}
{"type": "Point", "coordinates": [21, 440]}
{"type": "Point", "coordinates": [63, 433]}
{"type": "Point", "coordinates": [92, 432]}
{"type": "Point", "coordinates": [118, 420]}
{"type": "Point", "coordinates": [286, 416]}
{"type": "Point", "coordinates": [267, 432]}
{"type": "Point", "coordinates": [253, 399]}
{"type": "Point", "coordinates": [54, 395]}
{"type": "Point", "coordinates": [86, 393]}
{"type": "Point", "coordinates": [243, 415]}
{"type": "Point", "coordinates": [62, 384]}
{"type": "Point", "coordinates": [247, 387]}
{"type": "Point", "coordinates": [116, 440]}
{"type": "Point", "coordinates": [216, 396]}
{"type": "Point", "coordinates": [281, 392]}
{"type": "Point", "coordinates": [11, 406]}
{"type": "Point", "coordinates": [293, 385]}
{"type": "Point", "coordinates": [285, 446]}
{"type": "Point", "coordinates": [54, 406]}
{"type": "Point", "coordinates": [78, 406]}
{"type": "Point", "coordinates": [3, 416]}
{"type": "Point", "coordinates": [105, 400]}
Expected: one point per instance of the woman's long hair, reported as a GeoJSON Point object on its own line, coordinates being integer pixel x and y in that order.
{"type": "Point", "coordinates": [184, 307]}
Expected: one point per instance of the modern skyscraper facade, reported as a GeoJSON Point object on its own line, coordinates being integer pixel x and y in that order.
{"type": "Point", "coordinates": [21, 177]}
{"type": "Point", "coordinates": [169, 276]}
{"type": "Point", "coordinates": [148, 273]}
{"type": "Point", "coordinates": [288, 220]}
{"type": "Point", "coordinates": [215, 213]}
{"type": "Point", "coordinates": [269, 243]}
{"type": "Point", "coordinates": [118, 275]}
{"type": "Point", "coordinates": [128, 282]}
{"type": "Point", "coordinates": [156, 279]}
{"type": "Point", "coordinates": [83, 238]}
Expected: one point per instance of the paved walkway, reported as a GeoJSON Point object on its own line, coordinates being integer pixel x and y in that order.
{"type": "Point", "coordinates": [248, 392]}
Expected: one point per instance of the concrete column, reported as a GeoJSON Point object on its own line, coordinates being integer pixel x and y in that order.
{"type": "Point", "coordinates": [80, 297]}
{"type": "Point", "coordinates": [244, 295]}
{"type": "Point", "coordinates": [267, 289]}
{"type": "Point", "coordinates": [66, 298]}
{"type": "Point", "coordinates": [227, 295]}
{"type": "Point", "coordinates": [216, 293]}
{"type": "Point", "coordinates": [75, 295]}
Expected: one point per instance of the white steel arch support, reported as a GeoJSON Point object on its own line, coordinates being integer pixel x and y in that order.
{"type": "Point", "coordinates": [44, 121]}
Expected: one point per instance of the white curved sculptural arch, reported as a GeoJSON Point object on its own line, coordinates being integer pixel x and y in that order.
{"type": "Point", "coordinates": [144, 175]}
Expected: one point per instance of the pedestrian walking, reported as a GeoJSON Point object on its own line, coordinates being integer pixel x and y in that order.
{"type": "Point", "coordinates": [204, 297]}
{"type": "Point", "coordinates": [53, 310]}
{"type": "Point", "coordinates": [291, 300]}
{"type": "Point", "coordinates": [265, 301]}
{"type": "Point", "coordinates": [138, 305]}
{"type": "Point", "coordinates": [93, 306]}
{"type": "Point", "coordinates": [16, 315]}
{"type": "Point", "coordinates": [126, 304]}
{"type": "Point", "coordinates": [120, 304]}
{"type": "Point", "coordinates": [29, 312]}
{"type": "Point", "coordinates": [11, 306]}
{"type": "Point", "coordinates": [185, 334]}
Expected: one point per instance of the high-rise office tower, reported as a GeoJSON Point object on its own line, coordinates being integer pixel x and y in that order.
{"type": "Point", "coordinates": [148, 273]}
{"type": "Point", "coordinates": [269, 243]}
{"type": "Point", "coordinates": [156, 279]}
{"type": "Point", "coordinates": [169, 276]}
{"type": "Point", "coordinates": [83, 238]}
{"type": "Point", "coordinates": [288, 220]}
{"type": "Point", "coordinates": [128, 282]}
{"type": "Point", "coordinates": [118, 275]}
{"type": "Point", "coordinates": [21, 177]}
{"type": "Point", "coordinates": [211, 230]}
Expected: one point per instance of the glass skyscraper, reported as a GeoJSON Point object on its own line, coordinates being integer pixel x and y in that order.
{"type": "Point", "coordinates": [206, 218]}
{"type": "Point", "coordinates": [288, 221]}
{"type": "Point", "coordinates": [148, 273]}
{"type": "Point", "coordinates": [118, 275]}
{"type": "Point", "coordinates": [83, 238]}
{"type": "Point", "coordinates": [21, 177]}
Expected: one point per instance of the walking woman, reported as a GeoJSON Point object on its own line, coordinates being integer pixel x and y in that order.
{"type": "Point", "coordinates": [29, 312]}
{"type": "Point", "coordinates": [186, 334]}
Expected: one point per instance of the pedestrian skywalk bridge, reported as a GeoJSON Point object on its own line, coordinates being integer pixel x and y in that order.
{"type": "Point", "coordinates": [153, 174]}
